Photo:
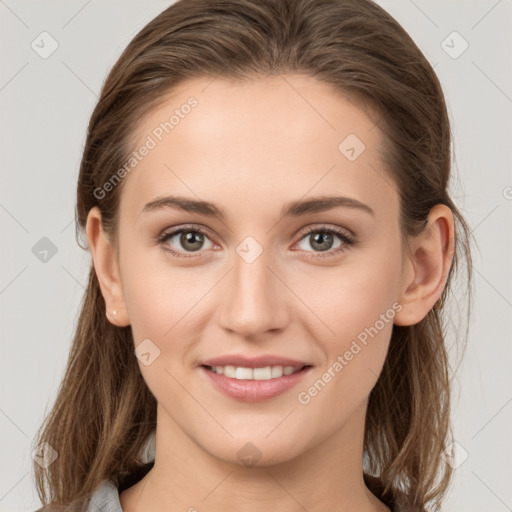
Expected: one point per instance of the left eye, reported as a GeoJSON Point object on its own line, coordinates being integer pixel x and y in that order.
{"type": "Point", "coordinates": [192, 240]}
{"type": "Point", "coordinates": [324, 243]}
{"type": "Point", "coordinates": [323, 239]}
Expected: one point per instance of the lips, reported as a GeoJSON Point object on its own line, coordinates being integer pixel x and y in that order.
{"type": "Point", "coordinates": [247, 379]}
{"type": "Point", "coordinates": [253, 390]}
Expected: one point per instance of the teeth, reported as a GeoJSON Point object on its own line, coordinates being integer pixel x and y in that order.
{"type": "Point", "coordinates": [266, 373]}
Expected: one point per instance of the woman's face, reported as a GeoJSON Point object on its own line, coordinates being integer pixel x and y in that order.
{"type": "Point", "coordinates": [256, 283]}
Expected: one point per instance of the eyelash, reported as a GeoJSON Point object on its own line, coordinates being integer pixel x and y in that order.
{"type": "Point", "coordinates": [347, 240]}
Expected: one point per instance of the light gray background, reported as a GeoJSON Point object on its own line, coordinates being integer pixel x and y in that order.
{"type": "Point", "coordinates": [45, 108]}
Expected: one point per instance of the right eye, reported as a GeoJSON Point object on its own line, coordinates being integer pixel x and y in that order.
{"type": "Point", "coordinates": [190, 239]}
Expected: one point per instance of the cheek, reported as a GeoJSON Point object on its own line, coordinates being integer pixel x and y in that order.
{"type": "Point", "coordinates": [159, 301]}
{"type": "Point", "coordinates": [156, 295]}
{"type": "Point", "coordinates": [358, 309]}
{"type": "Point", "coordinates": [349, 299]}
{"type": "Point", "coordinates": [166, 304]}
{"type": "Point", "coordinates": [356, 305]}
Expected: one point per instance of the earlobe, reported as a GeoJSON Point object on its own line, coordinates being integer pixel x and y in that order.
{"type": "Point", "coordinates": [105, 263]}
{"type": "Point", "coordinates": [428, 263]}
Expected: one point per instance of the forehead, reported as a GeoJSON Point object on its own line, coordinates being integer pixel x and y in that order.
{"type": "Point", "coordinates": [265, 140]}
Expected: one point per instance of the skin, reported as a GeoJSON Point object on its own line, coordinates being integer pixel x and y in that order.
{"type": "Point", "coordinates": [250, 148]}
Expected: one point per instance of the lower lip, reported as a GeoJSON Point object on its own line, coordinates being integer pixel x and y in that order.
{"type": "Point", "coordinates": [254, 390]}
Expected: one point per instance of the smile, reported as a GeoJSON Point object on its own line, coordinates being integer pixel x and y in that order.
{"type": "Point", "coordinates": [254, 384]}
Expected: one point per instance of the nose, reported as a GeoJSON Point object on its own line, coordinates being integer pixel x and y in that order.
{"type": "Point", "coordinates": [253, 299]}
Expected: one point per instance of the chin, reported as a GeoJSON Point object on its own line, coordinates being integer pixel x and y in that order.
{"type": "Point", "coordinates": [258, 452]}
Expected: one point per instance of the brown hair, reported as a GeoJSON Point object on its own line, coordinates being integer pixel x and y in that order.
{"type": "Point", "coordinates": [104, 411]}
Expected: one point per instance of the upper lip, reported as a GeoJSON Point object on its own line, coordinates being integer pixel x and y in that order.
{"type": "Point", "coordinates": [253, 362]}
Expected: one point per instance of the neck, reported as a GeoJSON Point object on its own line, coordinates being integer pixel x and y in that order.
{"type": "Point", "coordinates": [185, 476]}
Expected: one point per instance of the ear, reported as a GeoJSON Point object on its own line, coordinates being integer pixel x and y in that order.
{"type": "Point", "coordinates": [106, 265]}
{"type": "Point", "coordinates": [428, 261]}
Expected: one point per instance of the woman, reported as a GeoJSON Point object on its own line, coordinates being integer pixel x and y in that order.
{"type": "Point", "coordinates": [264, 191]}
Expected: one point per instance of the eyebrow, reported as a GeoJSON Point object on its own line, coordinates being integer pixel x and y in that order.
{"type": "Point", "coordinates": [292, 209]}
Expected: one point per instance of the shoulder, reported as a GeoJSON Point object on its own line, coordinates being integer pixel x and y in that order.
{"type": "Point", "coordinates": [105, 498]}
{"type": "Point", "coordinates": [395, 500]}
